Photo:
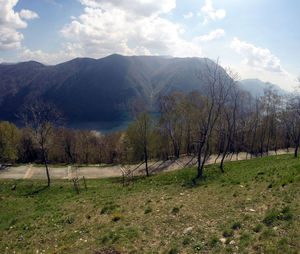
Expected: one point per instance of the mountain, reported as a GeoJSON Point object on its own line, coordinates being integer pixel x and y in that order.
{"type": "Point", "coordinates": [256, 87]}
{"type": "Point", "coordinates": [86, 89]}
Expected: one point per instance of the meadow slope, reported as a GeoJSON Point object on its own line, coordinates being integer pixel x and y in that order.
{"type": "Point", "coordinates": [254, 207]}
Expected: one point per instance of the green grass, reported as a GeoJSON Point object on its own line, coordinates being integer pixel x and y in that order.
{"type": "Point", "coordinates": [151, 216]}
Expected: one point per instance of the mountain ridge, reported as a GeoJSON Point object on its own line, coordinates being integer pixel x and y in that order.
{"type": "Point", "coordinates": [87, 89]}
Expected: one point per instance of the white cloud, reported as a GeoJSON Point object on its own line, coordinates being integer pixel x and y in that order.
{"type": "Point", "coordinates": [27, 14]}
{"type": "Point", "coordinates": [108, 27]}
{"type": "Point", "coordinates": [1, 60]}
{"type": "Point", "coordinates": [188, 15]}
{"type": "Point", "coordinates": [218, 33]}
{"type": "Point", "coordinates": [261, 63]}
{"type": "Point", "coordinates": [144, 8]}
{"type": "Point", "coordinates": [47, 58]}
{"type": "Point", "coordinates": [257, 57]}
{"type": "Point", "coordinates": [10, 22]}
{"type": "Point", "coordinates": [210, 13]}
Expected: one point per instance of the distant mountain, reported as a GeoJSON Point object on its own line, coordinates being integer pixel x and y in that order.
{"type": "Point", "coordinates": [256, 87]}
{"type": "Point", "coordinates": [87, 89]}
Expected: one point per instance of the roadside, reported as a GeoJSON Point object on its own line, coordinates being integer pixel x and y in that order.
{"type": "Point", "coordinates": [69, 172]}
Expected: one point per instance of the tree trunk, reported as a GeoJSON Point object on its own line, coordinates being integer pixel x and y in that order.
{"type": "Point", "coordinates": [146, 160]}
{"type": "Point", "coordinates": [199, 167]}
{"type": "Point", "coordinates": [46, 165]}
{"type": "Point", "coordinates": [296, 151]}
{"type": "Point", "coordinates": [222, 161]}
{"type": "Point", "coordinates": [224, 155]}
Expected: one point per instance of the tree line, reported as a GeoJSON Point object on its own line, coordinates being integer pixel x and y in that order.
{"type": "Point", "coordinates": [222, 119]}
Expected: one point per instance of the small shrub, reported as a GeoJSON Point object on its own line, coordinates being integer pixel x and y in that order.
{"type": "Point", "coordinates": [228, 233]}
{"type": "Point", "coordinates": [70, 220]}
{"type": "Point", "coordinates": [285, 214]}
{"type": "Point", "coordinates": [116, 217]}
{"type": "Point", "coordinates": [258, 228]}
{"type": "Point", "coordinates": [270, 217]}
{"type": "Point", "coordinates": [273, 215]}
{"type": "Point", "coordinates": [173, 250]}
{"type": "Point", "coordinates": [234, 181]}
{"type": "Point", "coordinates": [109, 208]}
{"type": "Point", "coordinates": [213, 242]}
{"type": "Point", "coordinates": [104, 210]}
{"type": "Point", "coordinates": [282, 244]}
{"type": "Point", "coordinates": [148, 210]}
{"type": "Point", "coordinates": [247, 217]}
{"type": "Point", "coordinates": [175, 210]}
{"type": "Point", "coordinates": [229, 250]}
{"type": "Point", "coordinates": [186, 240]}
{"type": "Point", "coordinates": [199, 247]}
{"type": "Point", "coordinates": [245, 238]}
{"type": "Point", "coordinates": [236, 225]}
{"type": "Point", "coordinates": [267, 234]}
{"type": "Point", "coordinates": [105, 239]}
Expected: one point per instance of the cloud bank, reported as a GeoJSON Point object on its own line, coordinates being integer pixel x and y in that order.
{"type": "Point", "coordinates": [218, 33]}
{"type": "Point", "coordinates": [10, 23]}
{"type": "Point", "coordinates": [134, 28]}
{"type": "Point", "coordinates": [260, 58]}
{"type": "Point", "coordinates": [210, 13]}
{"type": "Point", "coordinates": [261, 63]}
{"type": "Point", "coordinates": [28, 14]}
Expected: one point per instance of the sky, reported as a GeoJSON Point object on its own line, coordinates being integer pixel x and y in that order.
{"type": "Point", "coordinates": [255, 38]}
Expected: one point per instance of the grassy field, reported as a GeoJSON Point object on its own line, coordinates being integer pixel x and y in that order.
{"type": "Point", "coordinates": [254, 207]}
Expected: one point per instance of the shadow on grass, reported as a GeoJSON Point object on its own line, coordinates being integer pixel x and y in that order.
{"type": "Point", "coordinates": [37, 191]}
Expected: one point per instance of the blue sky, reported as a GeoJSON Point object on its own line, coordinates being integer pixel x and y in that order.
{"type": "Point", "coordinates": [257, 38]}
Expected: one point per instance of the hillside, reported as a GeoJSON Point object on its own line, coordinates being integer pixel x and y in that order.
{"type": "Point", "coordinates": [256, 87]}
{"type": "Point", "coordinates": [252, 208]}
{"type": "Point", "coordinates": [90, 90]}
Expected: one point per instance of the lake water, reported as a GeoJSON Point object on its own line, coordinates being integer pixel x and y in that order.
{"type": "Point", "coordinates": [101, 126]}
{"type": "Point", "coordinates": [120, 124]}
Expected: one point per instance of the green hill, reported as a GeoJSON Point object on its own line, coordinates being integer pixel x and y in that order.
{"type": "Point", "coordinates": [254, 207]}
{"type": "Point", "coordinates": [87, 89]}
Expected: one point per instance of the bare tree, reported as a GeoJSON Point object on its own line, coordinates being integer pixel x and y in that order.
{"type": "Point", "coordinates": [230, 113]}
{"type": "Point", "coordinates": [41, 117]}
{"type": "Point", "coordinates": [173, 119]}
{"type": "Point", "coordinates": [291, 117]}
{"type": "Point", "coordinates": [140, 134]}
{"type": "Point", "coordinates": [217, 86]}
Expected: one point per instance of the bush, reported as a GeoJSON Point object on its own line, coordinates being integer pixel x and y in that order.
{"type": "Point", "coordinates": [70, 220]}
{"type": "Point", "coordinates": [173, 250]}
{"type": "Point", "coordinates": [109, 208]}
{"type": "Point", "coordinates": [214, 241]}
{"type": "Point", "coordinates": [236, 225]}
{"type": "Point", "coordinates": [228, 233]}
{"type": "Point", "coordinates": [186, 240]}
{"type": "Point", "coordinates": [285, 214]}
{"type": "Point", "coordinates": [175, 210]}
{"type": "Point", "coordinates": [258, 228]}
{"type": "Point", "coordinates": [271, 217]}
{"type": "Point", "coordinates": [148, 210]}
{"type": "Point", "coordinates": [116, 217]}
